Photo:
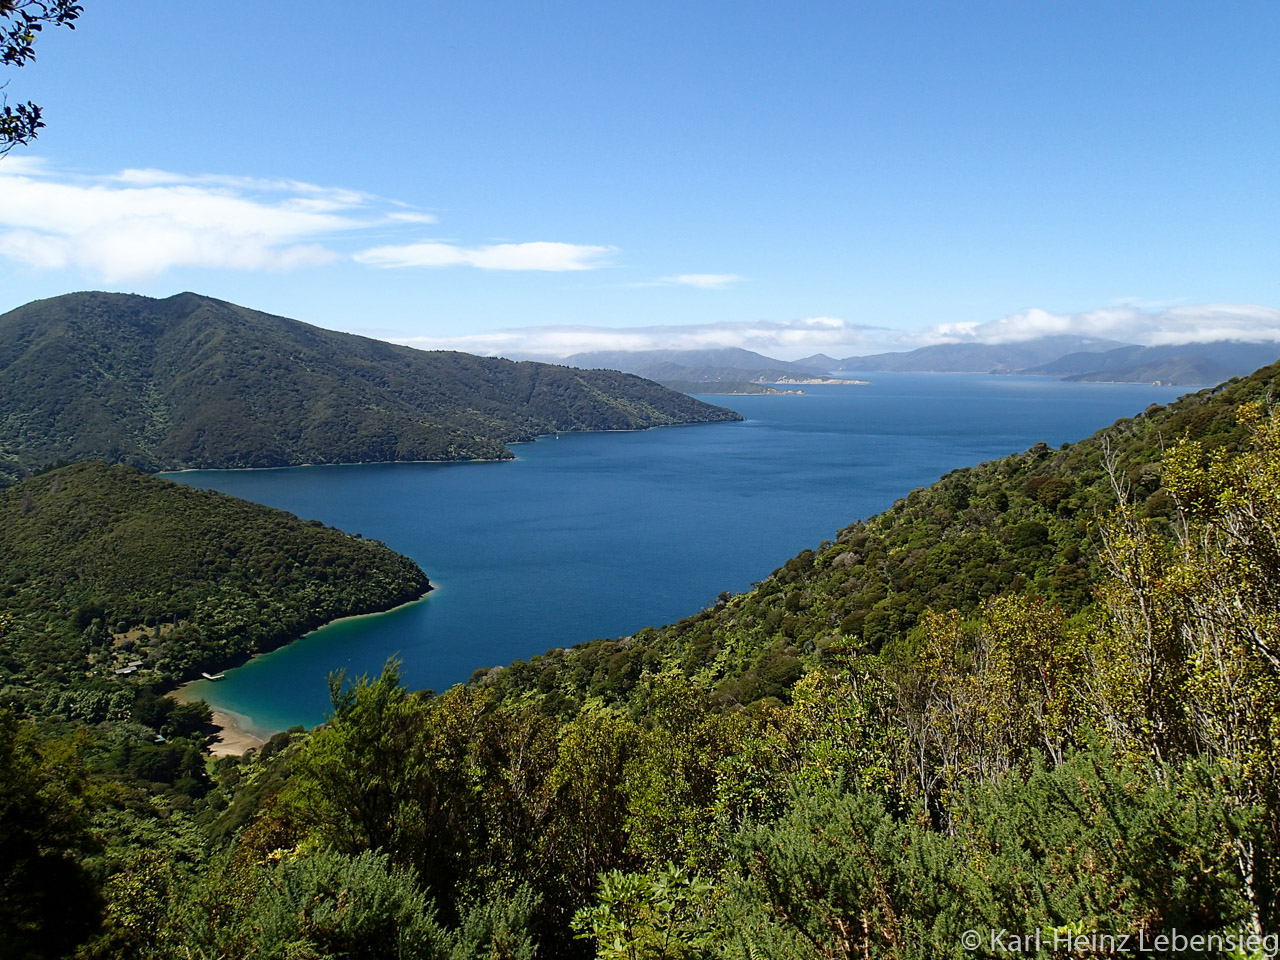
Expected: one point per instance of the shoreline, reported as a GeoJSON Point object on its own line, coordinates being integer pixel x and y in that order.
{"type": "Point", "coordinates": [340, 463]}
{"type": "Point", "coordinates": [431, 588]}
{"type": "Point", "coordinates": [233, 739]}
{"type": "Point", "coordinates": [163, 471]}
{"type": "Point", "coordinates": [236, 732]}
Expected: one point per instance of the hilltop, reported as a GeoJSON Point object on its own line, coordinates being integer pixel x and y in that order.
{"type": "Point", "coordinates": [1178, 363]}
{"type": "Point", "coordinates": [190, 381]}
{"type": "Point", "coordinates": [1065, 357]}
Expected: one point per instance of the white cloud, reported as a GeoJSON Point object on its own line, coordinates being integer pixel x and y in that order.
{"type": "Point", "coordinates": [338, 197]}
{"type": "Point", "coordinates": [538, 255]}
{"type": "Point", "coordinates": [790, 339]}
{"type": "Point", "coordinates": [408, 216]}
{"type": "Point", "coordinates": [24, 164]}
{"type": "Point", "coordinates": [840, 338]}
{"type": "Point", "coordinates": [136, 224]}
{"type": "Point", "coordinates": [1216, 321]}
{"type": "Point", "coordinates": [1182, 324]}
{"type": "Point", "coordinates": [703, 281]}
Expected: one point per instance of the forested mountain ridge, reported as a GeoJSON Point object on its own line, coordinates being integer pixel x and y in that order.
{"type": "Point", "coordinates": [1210, 362]}
{"type": "Point", "coordinates": [1079, 358]}
{"type": "Point", "coordinates": [1024, 523]}
{"type": "Point", "coordinates": [102, 566]}
{"type": "Point", "coordinates": [978, 357]}
{"type": "Point", "coordinates": [190, 381]}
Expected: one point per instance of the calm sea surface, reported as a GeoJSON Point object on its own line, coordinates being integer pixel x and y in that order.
{"type": "Point", "coordinates": [598, 535]}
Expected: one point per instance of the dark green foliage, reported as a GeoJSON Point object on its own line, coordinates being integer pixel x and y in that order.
{"type": "Point", "coordinates": [482, 798]}
{"type": "Point", "coordinates": [194, 382]}
{"type": "Point", "coordinates": [1091, 844]}
{"type": "Point", "coordinates": [361, 784]}
{"type": "Point", "coordinates": [321, 905]}
{"type": "Point", "coordinates": [500, 928]}
{"type": "Point", "coordinates": [664, 914]}
{"type": "Point", "coordinates": [837, 876]}
{"type": "Point", "coordinates": [175, 579]}
{"type": "Point", "coordinates": [246, 786]}
{"type": "Point", "coordinates": [465, 795]}
{"type": "Point", "coordinates": [1123, 849]}
{"type": "Point", "coordinates": [44, 836]}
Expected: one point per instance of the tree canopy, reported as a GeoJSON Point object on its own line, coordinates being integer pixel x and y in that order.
{"type": "Point", "coordinates": [21, 22]}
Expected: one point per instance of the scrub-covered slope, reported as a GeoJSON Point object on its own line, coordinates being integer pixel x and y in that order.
{"type": "Point", "coordinates": [194, 382]}
{"type": "Point", "coordinates": [102, 567]}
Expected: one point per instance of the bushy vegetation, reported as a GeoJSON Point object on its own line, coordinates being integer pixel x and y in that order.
{"type": "Point", "coordinates": [1007, 761]}
{"type": "Point", "coordinates": [116, 586]}
{"type": "Point", "coordinates": [102, 567]}
{"type": "Point", "coordinates": [194, 382]}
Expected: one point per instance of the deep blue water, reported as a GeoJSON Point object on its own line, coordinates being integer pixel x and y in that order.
{"type": "Point", "coordinates": [594, 535]}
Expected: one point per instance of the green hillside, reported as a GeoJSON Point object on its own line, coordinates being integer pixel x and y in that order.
{"type": "Point", "coordinates": [102, 566]}
{"type": "Point", "coordinates": [194, 382]}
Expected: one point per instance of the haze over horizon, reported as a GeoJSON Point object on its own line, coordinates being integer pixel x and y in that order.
{"type": "Point", "coordinates": [508, 179]}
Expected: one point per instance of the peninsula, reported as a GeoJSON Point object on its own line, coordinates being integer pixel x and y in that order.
{"type": "Point", "coordinates": [117, 582]}
{"type": "Point", "coordinates": [193, 382]}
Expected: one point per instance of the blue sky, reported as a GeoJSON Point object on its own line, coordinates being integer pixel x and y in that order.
{"type": "Point", "coordinates": [550, 177]}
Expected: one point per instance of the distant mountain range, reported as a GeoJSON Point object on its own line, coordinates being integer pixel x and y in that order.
{"type": "Point", "coordinates": [1185, 363]}
{"type": "Point", "coordinates": [1061, 357]}
{"type": "Point", "coordinates": [728, 364]}
{"type": "Point", "coordinates": [190, 381]}
{"type": "Point", "coordinates": [980, 357]}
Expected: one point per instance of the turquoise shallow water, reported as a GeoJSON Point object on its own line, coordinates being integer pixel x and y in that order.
{"type": "Point", "coordinates": [593, 535]}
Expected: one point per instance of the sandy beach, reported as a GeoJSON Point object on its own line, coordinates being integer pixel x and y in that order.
{"type": "Point", "coordinates": [233, 737]}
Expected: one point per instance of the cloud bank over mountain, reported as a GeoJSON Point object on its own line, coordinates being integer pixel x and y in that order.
{"type": "Point", "coordinates": [793, 339]}
{"type": "Point", "coordinates": [1201, 323]}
